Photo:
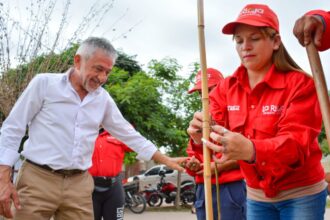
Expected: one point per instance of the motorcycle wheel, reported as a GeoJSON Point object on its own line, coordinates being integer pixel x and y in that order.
{"type": "Point", "coordinates": [155, 200]}
{"type": "Point", "coordinates": [188, 197]}
{"type": "Point", "coordinates": [138, 204]}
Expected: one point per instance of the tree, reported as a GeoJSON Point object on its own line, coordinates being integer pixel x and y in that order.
{"type": "Point", "coordinates": [138, 96]}
{"type": "Point", "coordinates": [31, 34]}
{"type": "Point", "coordinates": [14, 81]}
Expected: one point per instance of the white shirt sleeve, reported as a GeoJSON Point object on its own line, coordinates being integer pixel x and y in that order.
{"type": "Point", "coordinates": [14, 127]}
{"type": "Point", "coordinates": [121, 129]}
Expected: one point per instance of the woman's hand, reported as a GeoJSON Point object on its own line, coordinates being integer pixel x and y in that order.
{"type": "Point", "coordinates": [195, 128]}
{"type": "Point", "coordinates": [232, 145]}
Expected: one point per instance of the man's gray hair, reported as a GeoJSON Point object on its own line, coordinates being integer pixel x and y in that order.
{"type": "Point", "coordinates": [91, 44]}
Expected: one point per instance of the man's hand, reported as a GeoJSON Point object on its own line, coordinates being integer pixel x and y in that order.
{"type": "Point", "coordinates": [193, 164]}
{"type": "Point", "coordinates": [8, 192]}
{"type": "Point", "coordinates": [173, 163]}
{"type": "Point", "coordinates": [309, 28]}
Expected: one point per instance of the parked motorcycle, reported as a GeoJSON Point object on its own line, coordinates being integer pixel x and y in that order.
{"type": "Point", "coordinates": [147, 194]}
{"type": "Point", "coordinates": [133, 200]}
{"type": "Point", "coordinates": [167, 191]}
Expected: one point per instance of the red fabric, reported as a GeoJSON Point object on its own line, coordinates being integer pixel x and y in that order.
{"type": "Point", "coordinates": [213, 78]}
{"type": "Point", "coordinates": [325, 44]}
{"type": "Point", "coordinates": [224, 177]}
{"type": "Point", "coordinates": [282, 118]}
{"type": "Point", "coordinates": [108, 156]}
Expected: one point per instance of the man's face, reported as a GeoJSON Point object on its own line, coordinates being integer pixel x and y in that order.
{"type": "Point", "coordinates": [94, 71]}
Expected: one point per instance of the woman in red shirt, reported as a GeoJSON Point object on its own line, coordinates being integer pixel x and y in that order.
{"type": "Point", "coordinates": [268, 119]}
{"type": "Point", "coordinates": [108, 194]}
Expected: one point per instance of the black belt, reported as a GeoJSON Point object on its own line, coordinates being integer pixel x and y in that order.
{"type": "Point", "coordinates": [105, 181]}
{"type": "Point", "coordinates": [62, 172]}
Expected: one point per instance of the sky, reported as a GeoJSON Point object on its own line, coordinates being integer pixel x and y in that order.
{"type": "Point", "coordinates": [169, 28]}
{"type": "Point", "coordinates": [156, 29]}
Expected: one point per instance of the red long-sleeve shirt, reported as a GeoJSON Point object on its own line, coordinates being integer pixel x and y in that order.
{"type": "Point", "coordinates": [325, 43]}
{"type": "Point", "coordinates": [108, 156]}
{"type": "Point", "coordinates": [281, 116]}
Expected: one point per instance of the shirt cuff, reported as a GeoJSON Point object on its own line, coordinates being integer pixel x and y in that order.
{"type": "Point", "coordinates": [253, 158]}
{"type": "Point", "coordinates": [8, 157]}
{"type": "Point", "coordinates": [147, 154]}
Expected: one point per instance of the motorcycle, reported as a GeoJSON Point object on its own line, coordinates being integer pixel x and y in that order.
{"type": "Point", "coordinates": [167, 191]}
{"type": "Point", "coordinates": [147, 193]}
{"type": "Point", "coordinates": [133, 200]}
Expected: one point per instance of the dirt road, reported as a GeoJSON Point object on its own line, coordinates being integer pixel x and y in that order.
{"type": "Point", "coordinates": [174, 215]}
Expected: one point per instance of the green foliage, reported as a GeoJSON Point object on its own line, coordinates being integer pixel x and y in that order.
{"type": "Point", "coordinates": [322, 135]}
{"type": "Point", "coordinates": [127, 63]}
{"type": "Point", "coordinates": [14, 80]}
{"type": "Point", "coordinates": [154, 102]}
{"type": "Point", "coordinates": [322, 138]}
{"type": "Point", "coordinates": [325, 147]}
{"type": "Point", "coordinates": [166, 69]}
{"type": "Point", "coordinates": [130, 158]}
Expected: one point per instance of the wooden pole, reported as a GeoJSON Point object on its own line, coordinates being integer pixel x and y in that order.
{"type": "Point", "coordinates": [217, 185]}
{"type": "Point", "coordinates": [206, 115]}
{"type": "Point", "coordinates": [321, 86]}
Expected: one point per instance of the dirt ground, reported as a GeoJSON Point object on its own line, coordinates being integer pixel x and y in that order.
{"type": "Point", "coordinates": [181, 215]}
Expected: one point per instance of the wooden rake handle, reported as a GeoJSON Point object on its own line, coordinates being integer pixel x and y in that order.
{"type": "Point", "coordinates": [321, 86]}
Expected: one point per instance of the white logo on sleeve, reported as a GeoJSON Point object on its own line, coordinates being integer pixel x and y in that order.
{"type": "Point", "coordinates": [232, 108]}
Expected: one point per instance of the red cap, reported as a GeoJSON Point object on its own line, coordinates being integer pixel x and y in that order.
{"type": "Point", "coordinates": [255, 15]}
{"type": "Point", "coordinates": [213, 78]}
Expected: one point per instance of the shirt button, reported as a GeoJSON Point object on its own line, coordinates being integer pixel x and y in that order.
{"type": "Point", "coordinates": [263, 163]}
{"type": "Point", "coordinates": [253, 106]}
{"type": "Point", "coordinates": [248, 136]}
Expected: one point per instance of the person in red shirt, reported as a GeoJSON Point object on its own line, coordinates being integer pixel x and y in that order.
{"type": "Point", "coordinates": [268, 118]}
{"type": "Point", "coordinates": [232, 188]}
{"type": "Point", "coordinates": [108, 194]}
{"type": "Point", "coordinates": [314, 27]}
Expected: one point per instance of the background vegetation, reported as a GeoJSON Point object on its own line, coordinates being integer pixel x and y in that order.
{"type": "Point", "coordinates": [153, 99]}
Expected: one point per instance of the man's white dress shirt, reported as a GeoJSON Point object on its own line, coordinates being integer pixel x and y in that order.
{"type": "Point", "coordinates": [62, 128]}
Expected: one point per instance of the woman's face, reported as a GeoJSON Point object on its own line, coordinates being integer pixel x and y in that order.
{"type": "Point", "coordinates": [254, 48]}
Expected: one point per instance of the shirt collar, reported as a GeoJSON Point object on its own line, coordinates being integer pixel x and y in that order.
{"type": "Point", "coordinates": [273, 78]}
{"type": "Point", "coordinates": [66, 77]}
{"type": "Point", "coordinates": [67, 74]}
